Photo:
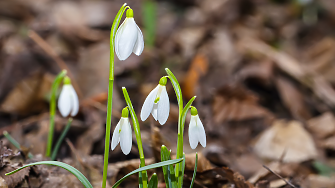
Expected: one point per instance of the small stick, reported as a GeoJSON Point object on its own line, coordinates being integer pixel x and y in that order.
{"type": "Point", "coordinates": [49, 50]}
{"type": "Point", "coordinates": [279, 176]}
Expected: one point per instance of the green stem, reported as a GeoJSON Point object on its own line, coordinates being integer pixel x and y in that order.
{"type": "Point", "coordinates": [137, 131]}
{"type": "Point", "coordinates": [61, 138]}
{"type": "Point", "coordinates": [54, 88]}
{"type": "Point", "coordinates": [15, 143]}
{"type": "Point", "coordinates": [108, 130]}
{"type": "Point", "coordinates": [110, 91]}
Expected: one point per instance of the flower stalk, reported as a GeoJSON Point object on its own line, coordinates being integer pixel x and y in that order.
{"type": "Point", "coordinates": [137, 131]}
{"type": "Point", "coordinates": [54, 88]}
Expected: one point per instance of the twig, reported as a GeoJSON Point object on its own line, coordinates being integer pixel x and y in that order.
{"type": "Point", "coordinates": [49, 50]}
{"type": "Point", "coordinates": [279, 176]}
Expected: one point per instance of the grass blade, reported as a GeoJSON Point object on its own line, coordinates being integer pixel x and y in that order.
{"type": "Point", "coordinates": [67, 167]}
{"type": "Point", "coordinates": [195, 169]}
{"type": "Point", "coordinates": [156, 165]}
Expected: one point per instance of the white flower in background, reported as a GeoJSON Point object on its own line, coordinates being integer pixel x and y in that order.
{"type": "Point", "coordinates": [196, 131]}
{"type": "Point", "coordinates": [68, 100]}
{"type": "Point", "coordinates": [128, 38]}
{"type": "Point", "coordinates": [122, 133]}
{"type": "Point", "coordinates": [157, 103]}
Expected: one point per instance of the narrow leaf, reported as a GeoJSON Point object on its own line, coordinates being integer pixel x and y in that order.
{"type": "Point", "coordinates": [195, 170]}
{"type": "Point", "coordinates": [181, 172]}
{"type": "Point", "coordinates": [140, 180]}
{"type": "Point", "coordinates": [67, 167]}
{"type": "Point", "coordinates": [168, 171]}
{"type": "Point", "coordinates": [153, 183]}
{"type": "Point", "coordinates": [156, 165]}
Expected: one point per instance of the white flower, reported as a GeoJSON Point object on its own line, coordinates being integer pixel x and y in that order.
{"type": "Point", "coordinates": [128, 38]}
{"type": "Point", "coordinates": [157, 103]}
{"type": "Point", "coordinates": [122, 134]}
{"type": "Point", "coordinates": [68, 100]}
{"type": "Point", "coordinates": [196, 131]}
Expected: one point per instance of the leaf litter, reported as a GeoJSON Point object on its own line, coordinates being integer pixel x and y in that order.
{"type": "Point", "coordinates": [263, 74]}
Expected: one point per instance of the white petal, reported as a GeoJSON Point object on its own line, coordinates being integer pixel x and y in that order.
{"type": "Point", "coordinates": [163, 106]}
{"type": "Point", "coordinates": [193, 132]}
{"type": "Point", "coordinates": [139, 45]}
{"type": "Point", "coordinates": [201, 132]}
{"type": "Point", "coordinates": [116, 135]}
{"type": "Point", "coordinates": [125, 136]}
{"type": "Point", "coordinates": [125, 39]}
{"type": "Point", "coordinates": [148, 104]}
{"type": "Point", "coordinates": [64, 101]}
{"type": "Point", "coordinates": [74, 102]}
{"type": "Point", "coordinates": [154, 111]}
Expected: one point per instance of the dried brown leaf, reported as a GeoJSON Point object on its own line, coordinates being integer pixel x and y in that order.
{"type": "Point", "coordinates": [292, 99]}
{"type": "Point", "coordinates": [287, 139]}
{"type": "Point", "coordinates": [233, 103]}
{"type": "Point", "coordinates": [322, 126]}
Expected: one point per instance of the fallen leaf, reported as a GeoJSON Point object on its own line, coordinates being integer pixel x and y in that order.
{"type": "Point", "coordinates": [292, 99]}
{"type": "Point", "coordinates": [234, 103]}
{"type": "Point", "coordinates": [322, 126]}
{"type": "Point", "coordinates": [287, 139]}
{"type": "Point", "coordinates": [29, 95]}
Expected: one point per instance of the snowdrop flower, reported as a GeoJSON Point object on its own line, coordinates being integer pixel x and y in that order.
{"type": "Point", "coordinates": [68, 100]}
{"type": "Point", "coordinates": [122, 133]}
{"type": "Point", "coordinates": [196, 131]}
{"type": "Point", "coordinates": [157, 103]}
{"type": "Point", "coordinates": [128, 38]}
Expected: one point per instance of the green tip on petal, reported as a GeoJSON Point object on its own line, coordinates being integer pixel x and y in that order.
{"type": "Point", "coordinates": [67, 80]}
{"type": "Point", "coordinates": [163, 81]}
{"type": "Point", "coordinates": [130, 13]}
{"type": "Point", "coordinates": [125, 112]}
{"type": "Point", "coordinates": [194, 111]}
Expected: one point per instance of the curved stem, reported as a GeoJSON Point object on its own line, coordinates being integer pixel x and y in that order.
{"type": "Point", "coordinates": [137, 131]}
{"type": "Point", "coordinates": [54, 88]}
{"type": "Point", "coordinates": [110, 91]}
{"type": "Point", "coordinates": [60, 140]}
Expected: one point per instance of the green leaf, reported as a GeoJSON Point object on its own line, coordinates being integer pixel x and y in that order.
{"type": "Point", "coordinates": [185, 110]}
{"type": "Point", "coordinates": [140, 180]}
{"type": "Point", "coordinates": [176, 88]}
{"type": "Point", "coordinates": [181, 175]}
{"type": "Point", "coordinates": [67, 167]}
{"type": "Point", "coordinates": [168, 171]}
{"type": "Point", "coordinates": [153, 181]}
{"type": "Point", "coordinates": [156, 165]}
{"type": "Point", "coordinates": [195, 170]}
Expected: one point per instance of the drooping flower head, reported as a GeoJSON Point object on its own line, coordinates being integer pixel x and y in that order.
{"type": "Point", "coordinates": [68, 100]}
{"type": "Point", "coordinates": [122, 133]}
{"type": "Point", "coordinates": [128, 38]}
{"type": "Point", "coordinates": [157, 103]}
{"type": "Point", "coordinates": [196, 131]}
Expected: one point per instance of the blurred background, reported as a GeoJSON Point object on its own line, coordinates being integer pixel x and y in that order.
{"type": "Point", "coordinates": [262, 70]}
